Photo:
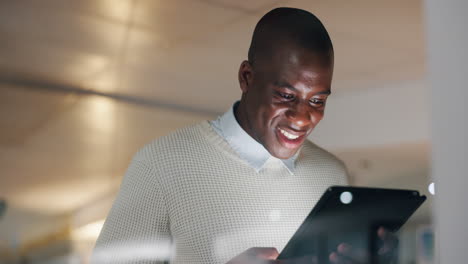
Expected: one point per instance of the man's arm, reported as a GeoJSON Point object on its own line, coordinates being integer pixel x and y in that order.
{"type": "Point", "coordinates": [136, 230]}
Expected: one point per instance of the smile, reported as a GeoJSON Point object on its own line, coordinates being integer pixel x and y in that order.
{"type": "Point", "coordinates": [290, 139]}
{"type": "Point", "coordinates": [287, 134]}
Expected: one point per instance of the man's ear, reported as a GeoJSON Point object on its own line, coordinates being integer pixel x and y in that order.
{"type": "Point", "coordinates": [245, 76]}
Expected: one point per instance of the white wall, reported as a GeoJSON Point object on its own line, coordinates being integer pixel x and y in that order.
{"type": "Point", "coordinates": [385, 115]}
{"type": "Point", "coordinates": [447, 38]}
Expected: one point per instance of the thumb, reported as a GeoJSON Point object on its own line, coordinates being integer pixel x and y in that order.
{"type": "Point", "coordinates": [267, 253]}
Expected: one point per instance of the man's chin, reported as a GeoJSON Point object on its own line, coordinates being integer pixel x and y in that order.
{"type": "Point", "coordinates": [284, 154]}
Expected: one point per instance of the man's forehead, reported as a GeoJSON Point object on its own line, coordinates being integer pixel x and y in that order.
{"type": "Point", "coordinates": [288, 51]}
{"type": "Point", "coordinates": [289, 58]}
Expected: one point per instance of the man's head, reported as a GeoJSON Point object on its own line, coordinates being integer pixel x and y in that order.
{"type": "Point", "coordinates": [286, 80]}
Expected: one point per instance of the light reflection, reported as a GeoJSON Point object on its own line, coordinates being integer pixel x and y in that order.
{"type": "Point", "coordinates": [431, 188]}
{"type": "Point", "coordinates": [105, 81]}
{"type": "Point", "coordinates": [89, 232]}
{"type": "Point", "coordinates": [85, 66]}
{"type": "Point", "coordinates": [134, 251]}
{"type": "Point", "coordinates": [116, 9]}
{"type": "Point", "coordinates": [95, 63]}
{"type": "Point", "coordinates": [101, 114]}
{"type": "Point", "coordinates": [346, 197]}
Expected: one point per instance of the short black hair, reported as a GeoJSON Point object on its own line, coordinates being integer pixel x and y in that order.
{"type": "Point", "coordinates": [299, 26]}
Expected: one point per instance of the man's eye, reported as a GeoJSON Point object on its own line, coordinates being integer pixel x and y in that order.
{"type": "Point", "coordinates": [316, 101]}
{"type": "Point", "coordinates": [286, 96]}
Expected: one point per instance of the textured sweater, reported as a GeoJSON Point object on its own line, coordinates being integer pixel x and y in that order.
{"type": "Point", "coordinates": [189, 198]}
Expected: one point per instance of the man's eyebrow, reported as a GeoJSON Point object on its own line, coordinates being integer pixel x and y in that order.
{"type": "Point", "coordinates": [284, 84]}
{"type": "Point", "coordinates": [289, 86]}
{"type": "Point", "coordinates": [327, 92]}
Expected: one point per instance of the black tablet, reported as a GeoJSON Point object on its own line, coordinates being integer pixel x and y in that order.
{"type": "Point", "coordinates": [351, 215]}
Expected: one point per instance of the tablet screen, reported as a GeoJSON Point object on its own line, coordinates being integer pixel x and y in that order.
{"type": "Point", "coordinates": [351, 215]}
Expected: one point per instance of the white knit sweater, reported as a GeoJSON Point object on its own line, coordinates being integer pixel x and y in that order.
{"type": "Point", "coordinates": [190, 198]}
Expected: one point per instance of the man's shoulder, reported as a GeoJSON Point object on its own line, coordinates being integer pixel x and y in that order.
{"type": "Point", "coordinates": [178, 141]}
{"type": "Point", "coordinates": [310, 150]}
{"type": "Point", "coordinates": [190, 133]}
{"type": "Point", "coordinates": [314, 157]}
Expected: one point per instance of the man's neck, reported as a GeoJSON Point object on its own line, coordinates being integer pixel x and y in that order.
{"type": "Point", "coordinates": [242, 118]}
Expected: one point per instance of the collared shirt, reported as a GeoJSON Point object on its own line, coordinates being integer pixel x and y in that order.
{"type": "Point", "coordinates": [246, 147]}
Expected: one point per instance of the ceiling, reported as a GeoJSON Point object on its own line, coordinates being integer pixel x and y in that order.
{"type": "Point", "coordinates": [84, 84]}
{"type": "Point", "coordinates": [143, 48]}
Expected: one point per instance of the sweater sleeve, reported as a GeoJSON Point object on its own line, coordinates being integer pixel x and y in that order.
{"type": "Point", "coordinates": [136, 230]}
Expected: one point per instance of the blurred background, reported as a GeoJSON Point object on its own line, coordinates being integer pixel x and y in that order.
{"type": "Point", "coordinates": [85, 84]}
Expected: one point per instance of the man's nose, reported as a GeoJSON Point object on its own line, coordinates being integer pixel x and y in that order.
{"type": "Point", "coordinates": [299, 114]}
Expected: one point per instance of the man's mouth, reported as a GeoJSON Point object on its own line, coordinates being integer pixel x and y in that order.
{"type": "Point", "coordinates": [288, 135]}
{"type": "Point", "coordinates": [289, 138]}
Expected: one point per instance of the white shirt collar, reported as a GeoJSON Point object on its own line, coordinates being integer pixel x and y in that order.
{"type": "Point", "coordinates": [247, 147]}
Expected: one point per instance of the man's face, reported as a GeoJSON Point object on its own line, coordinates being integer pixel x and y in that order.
{"type": "Point", "coordinates": [284, 98]}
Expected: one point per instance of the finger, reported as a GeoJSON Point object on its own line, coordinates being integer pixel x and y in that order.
{"type": "Point", "coordinates": [336, 258]}
{"type": "Point", "coordinates": [255, 255]}
{"type": "Point", "coordinates": [348, 254]}
{"type": "Point", "coordinates": [389, 241]}
{"type": "Point", "coordinates": [383, 233]}
{"type": "Point", "coordinates": [266, 253]}
{"type": "Point", "coordinates": [344, 249]}
{"type": "Point", "coordinates": [354, 255]}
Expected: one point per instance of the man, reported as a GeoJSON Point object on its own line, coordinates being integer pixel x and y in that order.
{"type": "Point", "coordinates": [237, 188]}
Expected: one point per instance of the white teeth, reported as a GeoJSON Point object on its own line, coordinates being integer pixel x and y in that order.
{"type": "Point", "coordinates": [288, 135]}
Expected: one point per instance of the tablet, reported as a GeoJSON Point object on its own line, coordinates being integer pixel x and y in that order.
{"type": "Point", "coordinates": [351, 215]}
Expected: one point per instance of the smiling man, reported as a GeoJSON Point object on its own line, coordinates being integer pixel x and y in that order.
{"type": "Point", "coordinates": [285, 90]}
{"type": "Point", "coordinates": [245, 181]}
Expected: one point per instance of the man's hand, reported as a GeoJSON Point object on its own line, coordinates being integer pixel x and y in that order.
{"type": "Point", "coordinates": [256, 255]}
{"type": "Point", "coordinates": [387, 251]}
{"type": "Point", "coordinates": [267, 256]}
{"type": "Point", "coordinates": [344, 254]}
